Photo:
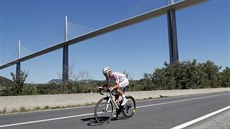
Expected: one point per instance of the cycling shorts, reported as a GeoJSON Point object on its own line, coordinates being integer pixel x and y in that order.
{"type": "Point", "coordinates": [124, 83]}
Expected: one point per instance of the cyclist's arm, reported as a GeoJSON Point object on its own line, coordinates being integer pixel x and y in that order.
{"type": "Point", "coordinates": [117, 83]}
{"type": "Point", "coordinates": [106, 82]}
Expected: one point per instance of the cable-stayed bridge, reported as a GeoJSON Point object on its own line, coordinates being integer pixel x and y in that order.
{"type": "Point", "coordinates": [172, 34]}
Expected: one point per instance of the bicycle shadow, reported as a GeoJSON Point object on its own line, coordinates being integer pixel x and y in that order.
{"type": "Point", "coordinates": [92, 121]}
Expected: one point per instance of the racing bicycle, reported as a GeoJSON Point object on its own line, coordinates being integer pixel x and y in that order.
{"type": "Point", "coordinates": [104, 109]}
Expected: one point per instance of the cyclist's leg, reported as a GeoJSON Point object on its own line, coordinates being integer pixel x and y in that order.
{"type": "Point", "coordinates": [117, 98]}
{"type": "Point", "coordinates": [123, 85]}
{"type": "Point", "coordinates": [119, 91]}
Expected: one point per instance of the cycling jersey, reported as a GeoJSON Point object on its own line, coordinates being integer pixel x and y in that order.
{"type": "Point", "coordinates": [119, 78]}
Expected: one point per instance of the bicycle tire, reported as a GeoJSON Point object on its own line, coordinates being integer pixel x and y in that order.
{"type": "Point", "coordinates": [130, 107]}
{"type": "Point", "coordinates": [99, 113]}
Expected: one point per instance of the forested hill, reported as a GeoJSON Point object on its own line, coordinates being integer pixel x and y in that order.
{"type": "Point", "coordinates": [5, 81]}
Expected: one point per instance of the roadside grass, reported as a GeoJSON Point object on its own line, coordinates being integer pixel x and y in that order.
{"type": "Point", "coordinates": [38, 108]}
{"type": "Point", "coordinates": [45, 108]}
{"type": "Point", "coordinates": [3, 111]}
{"type": "Point", "coordinates": [23, 109]}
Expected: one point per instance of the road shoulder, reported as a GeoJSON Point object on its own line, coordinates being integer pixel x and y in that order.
{"type": "Point", "coordinates": [218, 121]}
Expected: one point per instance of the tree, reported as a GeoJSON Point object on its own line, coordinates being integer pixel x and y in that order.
{"type": "Point", "coordinates": [225, 77]}
{"type": "Point", "coordinates": [186, 75]}
{"type": "Point", "coordinates": [83, 80]}
{"type": "Point", "coordinates": [159, 78]}
{"type": "Point", "coordinates": [18, 82]}
{"type": "Point", "coordinates": [210, 75]}
{"type": "Point", "coordinates": [67, 86]}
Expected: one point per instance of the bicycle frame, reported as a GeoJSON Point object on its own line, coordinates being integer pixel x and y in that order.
{"type": "Point", "coordinates": [110, 96]}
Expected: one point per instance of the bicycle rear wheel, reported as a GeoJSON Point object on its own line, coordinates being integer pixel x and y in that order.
{"type": "Point", "coordinates": [130, 107]}
{"type": "Point", "coordinates": [103, 111]}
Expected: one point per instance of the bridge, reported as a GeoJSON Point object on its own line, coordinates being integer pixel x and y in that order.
{"type": "Point", "coordinates": [172, 35]}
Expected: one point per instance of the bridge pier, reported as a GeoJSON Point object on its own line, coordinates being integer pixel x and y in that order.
{"type": "Point", "coordinates": [18, 69]}
{"type": "Point", "coordinates": [18, 65]}
{"type": "Point", "coordinates": [65, 66]}
{"type": "Point", "coordinates": [172, 33]}
{"type": "Point", "coordinates": [65, 69]}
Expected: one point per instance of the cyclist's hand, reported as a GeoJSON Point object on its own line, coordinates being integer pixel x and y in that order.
{"type": "Point", "coordinates": [111, 88]}
{"type": "Point", "coordinates": [100, 87]}
{"type": "Point", "coordinates": [103, 88]}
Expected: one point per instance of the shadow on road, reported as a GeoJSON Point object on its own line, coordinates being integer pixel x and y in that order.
{"type": "Point", "coordinates": [92, 121]}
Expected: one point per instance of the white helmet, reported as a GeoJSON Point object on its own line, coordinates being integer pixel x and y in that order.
{"type": "Point", "coordinates": [106, 70]}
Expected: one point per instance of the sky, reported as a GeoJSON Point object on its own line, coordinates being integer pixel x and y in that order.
{"type": "Point", "coordinates": [203, 33]}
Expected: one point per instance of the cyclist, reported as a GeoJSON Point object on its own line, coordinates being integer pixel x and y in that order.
{"type": "Point", "coordinates": [121, 82]}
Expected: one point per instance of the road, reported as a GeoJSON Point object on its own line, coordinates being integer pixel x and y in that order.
{"type": "Point", "coordinates": [163, 113]}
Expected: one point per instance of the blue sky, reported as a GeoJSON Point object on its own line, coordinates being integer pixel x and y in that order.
{"type": "Point", "coordinates": [203, 34]}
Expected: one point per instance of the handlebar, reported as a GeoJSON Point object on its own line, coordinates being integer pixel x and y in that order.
{"type": "Point", "coordinates": [100, 89]}
{"type": "Point", "coordinates": [103, 88]}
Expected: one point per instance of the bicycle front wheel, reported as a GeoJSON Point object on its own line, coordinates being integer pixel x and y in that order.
{"type": "Point", "coordinates": [130, 107]}
{"type": "Point", "coordinates": [103, 111]}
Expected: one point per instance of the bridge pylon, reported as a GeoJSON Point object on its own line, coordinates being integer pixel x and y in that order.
{"type": "Point", "coordinates": [172, 33]}
{"type": "Point", "coordinates": [65, 66]}
{"type": "Point", "coordinates": [18, 65]}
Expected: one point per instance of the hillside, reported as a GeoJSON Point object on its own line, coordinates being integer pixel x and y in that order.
{"type": "Point", "coordinates": [4, 81]}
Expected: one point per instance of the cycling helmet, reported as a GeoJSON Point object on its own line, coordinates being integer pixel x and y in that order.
{"type": "Point", "coordinates": [106, 70]}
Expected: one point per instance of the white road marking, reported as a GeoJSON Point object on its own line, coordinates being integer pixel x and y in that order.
{"type": "Point", "coordinates": [88, 114]}
{"type": "Point", "coordinates": [52, 119]}
{"type": "Point", "coordinates": [151, 105]}
{"type": "Point", "coordinates": [200, 118]}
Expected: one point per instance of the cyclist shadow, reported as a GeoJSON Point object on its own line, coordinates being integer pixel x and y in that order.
{"type": "Point", "coordinates": [119, 118]}
{"type": "Point", "coordinates": [92, 121]}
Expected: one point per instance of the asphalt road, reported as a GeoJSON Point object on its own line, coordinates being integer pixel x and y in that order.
{"type": "Point", "coordinates": [219, 121]}
{"type": "Point", "coordinates": [163, 113]}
